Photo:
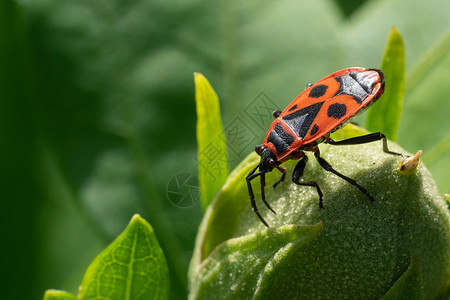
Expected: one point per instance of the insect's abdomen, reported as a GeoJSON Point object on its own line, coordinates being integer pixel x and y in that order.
{"type": "Point", "coordinates": [355, 92]}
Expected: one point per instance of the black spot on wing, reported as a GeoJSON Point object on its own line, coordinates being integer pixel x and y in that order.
{"type": "Point", "coordinates": [337, 110]}
{"type": "Point", "coordinates": [341, 86]}
{"type": "Point", "coordinates": [318, 91]}
{"type": "Point", "coordinates": [300, 121]}
{"type": "Point", "coordinates": [293, 107]}
{"type": "Point", "coordinates": [314, 129]}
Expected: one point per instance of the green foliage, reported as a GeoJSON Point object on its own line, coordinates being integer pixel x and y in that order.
{"type": "Point", "coordinates": [212, 156]}
{"type": "Point", "coordinates": [21, 194]}
{"type": "Point", "coordinates": [97, 109]}
{"type": "Point", "coordinates": [384, 116]}
{"type": "Point", "coordinates": [428, 62]}
{"type": "Point", "coordinates": [422, 124]}
{"type": "Point", "coordinates": [131, 267]}
{"type": "Point", "coordinates": [363, 248]}
{"type": "Point", "coordinates": [242, 259]}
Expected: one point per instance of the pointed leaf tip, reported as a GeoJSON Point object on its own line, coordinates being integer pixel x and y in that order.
{"type": "Point", "coordinates": [409, 165]}
{"type": "Point", "coordinates": [409, 285]}
{"type": "Point", "coordinates": [199, 78]}
{"type": "Point", "coordinates": [133, 264]}
{"type": "Point", "coordinates": [212, 148]}
{"type": "Point", "coordinates": [137, 218]}
{"type": "Point", "coordinates": [384, 116]}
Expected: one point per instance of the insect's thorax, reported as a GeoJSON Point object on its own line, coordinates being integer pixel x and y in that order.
{"type": "Point", "coordinates": [323, 108]}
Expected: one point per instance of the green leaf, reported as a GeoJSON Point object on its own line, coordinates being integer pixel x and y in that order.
{"type": "Point", "coordinates": [131, 267]}
{"type": "Point", "coordinates": [220, 221]}
{"type": "Point", "coordinates": [58, 295]}
{"type": "Point", "coordinates": [384, 116]}
{"type": "Point", "coordinates": [212, 149]}
{"type": "Point", "coordinates": [409, 285]}
{"type": "Point", "coordinates": [269, 279]}
{"type": "Point", "coordinates": [20, 189]}
{"type": "Point", "coordinates": [252, 261]}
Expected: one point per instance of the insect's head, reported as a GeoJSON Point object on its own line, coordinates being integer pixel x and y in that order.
{"type": "Point", "coordinates": [268, 159]}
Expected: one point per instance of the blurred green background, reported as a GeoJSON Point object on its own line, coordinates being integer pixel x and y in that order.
{"type": "Point", "coordinates": [97, 110]}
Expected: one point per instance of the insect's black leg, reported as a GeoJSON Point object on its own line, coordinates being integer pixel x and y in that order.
{"type": "Point", "coordinates": [298, 173]}
{"type": "Point", "coordinates": [282, 169]}
{"type": "Point", "coordinates": [249, 178]}
{"type": "Point", "coordinates": [263, 194]}
{"type": "Point", "coordinates": [371, 137]}
{"type": "Point", "coordinates": [324, 164]}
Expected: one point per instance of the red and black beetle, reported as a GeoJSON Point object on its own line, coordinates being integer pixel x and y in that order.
{"type": "Point", "coordinates": [310, 119]}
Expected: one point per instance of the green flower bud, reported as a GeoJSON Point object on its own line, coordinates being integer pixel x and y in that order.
{"type": "Point", "coordinates": [397, 246]}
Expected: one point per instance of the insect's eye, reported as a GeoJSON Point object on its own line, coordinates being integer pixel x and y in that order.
{"type": "Point", "coordinates": [259, 149]}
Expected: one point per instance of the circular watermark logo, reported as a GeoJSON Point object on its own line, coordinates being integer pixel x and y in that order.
{"type": "Point", "coordinates": [183, 190]}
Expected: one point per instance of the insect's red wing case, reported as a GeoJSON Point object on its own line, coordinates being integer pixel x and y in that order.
{"type": "Point", "coordinates": [328, 104]}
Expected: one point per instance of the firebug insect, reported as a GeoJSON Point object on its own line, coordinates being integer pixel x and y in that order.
{"type": "Point", "coordinates": [308, 121]}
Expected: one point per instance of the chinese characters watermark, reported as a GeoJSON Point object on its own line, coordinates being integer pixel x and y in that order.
{"type": "Point", "coordinates": [183, 190]}
{"type": "Point", "coordinates": [240, 135]}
